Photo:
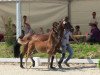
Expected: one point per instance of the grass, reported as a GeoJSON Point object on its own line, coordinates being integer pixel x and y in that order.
{"type": "Point", "coordinates": [80, 51]}
{"type": "Point", "coordinates": [6, 51]}
{"type": "Point", "coordinates": [86, 51]}
{"type": "Point", "coordinates": [99, 64]}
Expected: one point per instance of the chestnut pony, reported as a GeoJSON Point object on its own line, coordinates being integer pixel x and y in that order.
{"type": "Point", "coordinates": [38, 37]}
{"type": "Point", "coordinates": [47, 46]}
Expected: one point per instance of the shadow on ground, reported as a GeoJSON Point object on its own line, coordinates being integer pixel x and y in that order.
{"type": "Point", "coordinates": [64, 69]}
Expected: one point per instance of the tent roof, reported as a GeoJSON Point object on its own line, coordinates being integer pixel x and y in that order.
{"type": "Point", "coordinates": [45, 0]}
{"type": "Point", "coordinates": [34, 0]}
{"type": "Point", "coordinates": [60, 1]}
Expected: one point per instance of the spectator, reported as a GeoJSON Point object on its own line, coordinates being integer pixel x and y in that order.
{"type": "Point", "coordinates": [14, 29]}
{"type": "Point", "coordinates": [27, 27]}
{"type": "Point", "coordinates": [41, 31]}
{"type": "Point", "coordinates": [1, 37]}
{"type": "Point", "coordinates": [77, 30]}
{"type": "Point", "coordinates": [16, 45]}
{"type": "Point", "coordinates": [94, 34]}
{"type": "Point", "coordinates": [93, 19]}
{"type": "Point", "coordinates": [79, 36]}
{"type": "Point", "coordinates": [48, 30]}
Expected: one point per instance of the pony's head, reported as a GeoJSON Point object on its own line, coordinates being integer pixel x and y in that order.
{"type": "Point", "coordinates": [54, 33]}
{"type": "Point", "coordinates": [55, 28]}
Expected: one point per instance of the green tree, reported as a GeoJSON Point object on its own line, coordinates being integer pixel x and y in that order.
{"type": "Point", "coordinates": [9, 39]}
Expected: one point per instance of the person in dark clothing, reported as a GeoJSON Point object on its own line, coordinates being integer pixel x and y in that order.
{"type": "Point", "coordinates": [16, 49]}
{"type": "Point", "coordinates": [16, 45]}
{"type": "Point", "coordinates": [68, 24]}
{"type": "Point", "coordinates": [94, 34]}
{"type": "Point", "coordinates": [1, 37]}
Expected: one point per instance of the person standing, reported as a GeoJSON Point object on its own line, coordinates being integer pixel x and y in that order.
{"type": "Point", "coordinates": [1, 37]}
{"type": "Point", "coordinates": [27, 28]}
{"type": "Point", "coordinates": [16, 45]}
{"type": "Point", "coordinates": [41, 31]}
{"type": "Point", "coordinates": [48, 30]}
{"type": "Point", "coordinates": [93, 19]}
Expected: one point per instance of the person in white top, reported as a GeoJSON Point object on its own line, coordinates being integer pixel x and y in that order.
{"type": "Point", "coordinates": [41, 31]}
{"type": "Point", "coordinates": [27, 26]}
{"type": "Point", "coordinates": [65, 44]}
{"type": "Point", "coordinates": [94, 19]}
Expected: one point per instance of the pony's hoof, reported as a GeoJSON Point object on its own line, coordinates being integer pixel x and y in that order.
{"type": "Point", "coordinates": [22, 67]}
{"type": "Point", "coordinates": [53, 68]}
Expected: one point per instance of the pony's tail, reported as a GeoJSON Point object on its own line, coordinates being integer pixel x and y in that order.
{"type": "Point", "coordinates": [22, 42]}
{"type": "Point", "coordinates": [17, 45]}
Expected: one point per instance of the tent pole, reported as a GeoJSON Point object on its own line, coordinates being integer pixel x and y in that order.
{"type": "Point", "coordinates": [18, 18]}
{"type": "Point", "coordinates": [69, 10]}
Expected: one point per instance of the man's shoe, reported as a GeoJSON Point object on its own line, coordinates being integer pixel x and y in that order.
{"type": "Point", "coordinates": [59, 65]}
{"type": "Point", "coordinates": [66, 64]}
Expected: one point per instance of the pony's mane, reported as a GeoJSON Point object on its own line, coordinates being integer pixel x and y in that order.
{"type": "Point", "coordinates": [50, 35]}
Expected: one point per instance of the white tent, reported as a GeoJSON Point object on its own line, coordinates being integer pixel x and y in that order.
{"type": "Point", "coordinates": [81, 12]}
{"type": "Point", "coordinates": [42, 13]}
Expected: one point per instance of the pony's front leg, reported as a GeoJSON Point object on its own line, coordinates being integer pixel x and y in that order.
{"type": "Point", "coordinates": [26, 61]}
{"type": "Point", "coordinates": [49, 61]}
{"type": "Point", "coordinates": [33, 62]}
{"type": "Point", "coordinates": [51, 64]}
{"type": "Point", "coordinates": [56, 59]}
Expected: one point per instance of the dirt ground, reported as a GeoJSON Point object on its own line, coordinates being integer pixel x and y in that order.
{"type": "Point", "coordinates": [14, 69]}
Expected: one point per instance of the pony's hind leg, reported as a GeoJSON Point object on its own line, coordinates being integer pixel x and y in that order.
{"type": "Point", "coordinates": [33, 62]}
{"type": "Point", "coordinates": [29, 54]}
{"type": "Point", "coordinates": [56, 59]}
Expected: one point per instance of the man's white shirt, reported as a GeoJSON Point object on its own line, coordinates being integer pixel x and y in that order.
{"type": "Point", "coordinates": [94, 20]}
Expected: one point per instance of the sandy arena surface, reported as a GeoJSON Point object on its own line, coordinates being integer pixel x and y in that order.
{"type": "Point", "coordinates": [14, 69]}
